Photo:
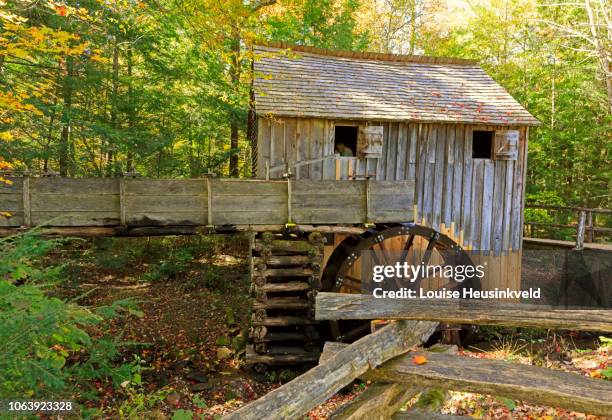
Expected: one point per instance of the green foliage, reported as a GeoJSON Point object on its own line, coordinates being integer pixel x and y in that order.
{"type": "Point", "coordinates": [431, 399]}
{"type": "Point", "coordinates": [535, 53]}
{"type": "Point", "coordinates": [175, 264]}
{"type": "Point", "coordinates": [605, 341]}
{"type": "Point", "coordinates": [319, 23]}
{"type": "Point", "coordinates": [212, 278]}
{"type": "Point", "coordinates": [138, 402]}
{"type": "Point", "coordinates": [20, 256]}
{"type": "Point", "coordinates": [199, 401]}
{"type": "Point", "coordinates": [181, 414]}
{"type": "Point", "coordinates": [283, 375]}
{"type": "Point", "coordinates": [46, 349]}
{"type": "Point", "coordinates": [510, 404]}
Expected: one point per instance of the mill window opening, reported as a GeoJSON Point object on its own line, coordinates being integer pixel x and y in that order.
{"type": "Point", "coordinates": [482, 144]}
{"type": "Point", "coordinates": [345, 140]}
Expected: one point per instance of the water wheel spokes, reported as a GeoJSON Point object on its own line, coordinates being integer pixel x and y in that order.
{"type": "Point", "coordinates": [348, 271]}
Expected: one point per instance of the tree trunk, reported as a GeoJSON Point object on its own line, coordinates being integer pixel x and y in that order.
{"type": "Point", "coordinates": [252, 124]}
{"type": "Point", "coordinates": [129, 166]}
{"type": "Point", "coordinates": [235, 78]}
{"type": "Point", "coordinates": [110, 153]}
{"type": "Point", "coordinates": [603, 55]}
{"type": "Point", "coordinates": [413, 26]}
{"type": "Point", "coordinates": [64, 145]}
{"type": "Point", "coordinates": [52, 117]}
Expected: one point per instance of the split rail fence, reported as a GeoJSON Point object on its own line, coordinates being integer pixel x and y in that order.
{"type": "Point", "coordinates": [385, 357]}
{"type": "Point", "coordinates": [588, 227]}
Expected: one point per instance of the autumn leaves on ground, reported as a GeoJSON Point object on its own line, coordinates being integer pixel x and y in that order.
{"type": "Point", "coordinates": [173, 323]}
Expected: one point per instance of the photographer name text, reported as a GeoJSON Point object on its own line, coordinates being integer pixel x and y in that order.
{"type": "Point", "coordinates": [467, 293]}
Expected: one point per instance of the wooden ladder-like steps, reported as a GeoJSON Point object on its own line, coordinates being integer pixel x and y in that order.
{"type": "Point", "coordinates": [290, 286]}
{"type": "Point", "coordinates": [297, 357]}
{"type": "Point", "coordinates": [285, 277]}
{"type": "Point", "coordinates": [282, 321]}
{"type": "Point", "coordinates": [283, 303]}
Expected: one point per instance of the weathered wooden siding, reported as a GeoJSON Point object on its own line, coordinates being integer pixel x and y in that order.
{"type": "Point", "coordinates": [188, 202]}
{"type": "Point", "coordinates": [477, 201]}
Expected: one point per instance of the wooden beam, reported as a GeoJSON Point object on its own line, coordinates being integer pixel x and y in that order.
{"type": "Point", "coordinates": [497, 377]}
{"type": "Point", "coordinates": [535, 384]}
{"type": "Point", "coordinates": [333, 306]}
{"type": "Point", "coordinates": [296, 398]}
{"type": "Point", "coordinates": [380, 400]}
{"type": "Point", "coordinates": [93, 231]}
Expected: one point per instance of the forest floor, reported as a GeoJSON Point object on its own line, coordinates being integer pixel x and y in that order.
{"type": "Point", "coordinates": [188, 334]}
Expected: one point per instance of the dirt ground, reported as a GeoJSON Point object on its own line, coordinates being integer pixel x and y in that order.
{"type": "Point", "coordinates": [189, 329]}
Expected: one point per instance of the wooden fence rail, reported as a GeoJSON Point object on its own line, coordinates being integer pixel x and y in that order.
{"type": "Point", "coordinates": [380, 400]}
{"type": "Point", "coordinates": [486, 376]}
{"type": "Point", "coordinates": [334, 306]}
{"type": "Point", "coordinates": [586, 227]}
{"type": "Point", "coordinates": [386, 356]}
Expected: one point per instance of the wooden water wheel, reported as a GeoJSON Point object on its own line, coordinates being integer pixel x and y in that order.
{"type": "Point", "coordinates": [389, 244]}
{"type": "Point", "coordinates": [286, 276]}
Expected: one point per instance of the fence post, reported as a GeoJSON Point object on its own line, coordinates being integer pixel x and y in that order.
{"type": "Point", "coordinates": [580, 233]}
{"type": "Point", "coordinates": [591, 237]}
{"type": "Point", "coordinates": [122, 204]}
{"type": "Point", "coordinates": [27, 201]}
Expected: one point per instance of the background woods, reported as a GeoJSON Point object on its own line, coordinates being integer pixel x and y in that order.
{"type": "Point", "coordinates": [98, 88]}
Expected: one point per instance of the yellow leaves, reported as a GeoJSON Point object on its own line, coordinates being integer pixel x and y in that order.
{"type": "Point", "coordinates": [180, 144]}
{"type": "Point", "coordinates": [10, 102]}
{"type": "Point", "coordinates": [4, 165]}
{"type": "Point", "coordinates": [5, 136]}
{"type": "Point", "coordinates": [11, 17]}
{"type": "Point", "coordinates": [5, 213]}
{"type": "Point", "coordinates": [98, 58]}
{"type": "Point", "coordinates": [20, 53]}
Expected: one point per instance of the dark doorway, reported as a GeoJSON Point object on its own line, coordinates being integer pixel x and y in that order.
{"type": "Point", "coordinates": [482, 144]}
{"type": "Point", "coordinates": [345, 135]}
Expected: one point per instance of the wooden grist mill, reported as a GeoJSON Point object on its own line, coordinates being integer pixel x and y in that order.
{"type": "Point", "coordinates": [408, 157]}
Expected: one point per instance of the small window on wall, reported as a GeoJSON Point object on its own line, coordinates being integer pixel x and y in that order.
{"type": "Point", "coordinates": [345, 140]}
{"type": "Point", "coordinates": [482, 144]}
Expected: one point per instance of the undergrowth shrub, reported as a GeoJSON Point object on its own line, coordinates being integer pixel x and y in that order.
{"type": "Point", "coordinates": [176, 263]}
{"type": "Point", "coordinates": [47, 348]}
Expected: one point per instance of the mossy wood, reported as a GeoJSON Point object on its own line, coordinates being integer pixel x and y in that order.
{"type": "Point", "coordinates": [380, 401]}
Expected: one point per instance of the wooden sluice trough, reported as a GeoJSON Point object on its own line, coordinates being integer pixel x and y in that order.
{"type": "Point", "coordinates": [137, 206]}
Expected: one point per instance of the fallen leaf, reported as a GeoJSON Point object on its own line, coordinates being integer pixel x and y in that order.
{"type": "Point", "coordinates": [419, 360]}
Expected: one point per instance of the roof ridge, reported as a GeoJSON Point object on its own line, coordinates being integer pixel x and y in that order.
{"type": "Point", "coordinates": [368, 55]}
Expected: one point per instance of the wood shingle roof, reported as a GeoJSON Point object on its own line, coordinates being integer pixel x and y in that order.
{"type": "Point", "coordinates": [296, 81]}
